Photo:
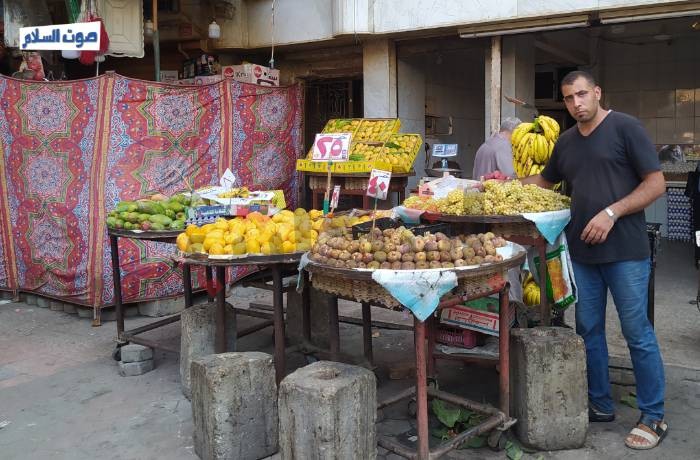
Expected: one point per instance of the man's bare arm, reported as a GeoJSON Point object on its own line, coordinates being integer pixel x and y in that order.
{"type": "Point", "coordinates": [538, 180]}
{"type": "Point", "coordinates": [652, 186]}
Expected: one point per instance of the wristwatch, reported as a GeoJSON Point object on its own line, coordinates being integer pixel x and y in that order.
{"type": "Point", "coordinates": [611, 214]}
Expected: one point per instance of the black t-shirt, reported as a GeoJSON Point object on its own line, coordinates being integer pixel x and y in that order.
{"type": "Point", "coordinates": [602, 168]}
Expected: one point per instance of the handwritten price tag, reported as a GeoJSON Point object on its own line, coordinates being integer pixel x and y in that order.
{"type": "Point", "coordinates": [332, 147]}
{"type": "Point", "coordinates": [378, 185]}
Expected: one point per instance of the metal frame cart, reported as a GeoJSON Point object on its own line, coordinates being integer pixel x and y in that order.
{"type": "Point", "coordinates": [473, 283]}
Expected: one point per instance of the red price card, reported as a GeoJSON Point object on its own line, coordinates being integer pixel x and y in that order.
{"type": "Point", "coordinates": [332, 147]}
{"type": "Point", "coordinates": [378, 185]}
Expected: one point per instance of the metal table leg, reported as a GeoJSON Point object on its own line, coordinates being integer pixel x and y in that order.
{"type": "Point", "coordinates": [187, 280]}
{"type": "Point", "coordinates": [117, 280]}
{"type": "Point", "coordinates": [367, 332]}
{"type": "Point", "coordinates": [421, 390]}
{"type": "Point", "coordinates": [504, 350]}
{"type": "Point", "coordinates": [334, 328]}
{"type": "Point", "coordinates": [278, 305]}
{"type": "Point", "coordinates": [220, 340]}
{"type": "Point", "coordinates": [306, 307]}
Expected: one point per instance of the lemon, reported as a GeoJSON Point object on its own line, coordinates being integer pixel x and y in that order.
{"type": "Point", "coordinates": [288, 247]}
{"type": "Point", "coordinates": [216, 249]}
{"type": "Point", "coordinates": [182, 241]}
{"type": "Point", "coordinates": [252, 246]}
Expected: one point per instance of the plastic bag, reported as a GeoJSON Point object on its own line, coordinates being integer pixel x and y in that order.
{"type": "Point", "coordinates": [560, 283]}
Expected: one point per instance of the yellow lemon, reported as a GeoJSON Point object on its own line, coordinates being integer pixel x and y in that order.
{"type": "Point", "coordinates": [288, 247]}
{"type": "Point", "coordinates": [252, 246]}
{"type": "Point", "coordinates": [182, 241]}
{"type": "Point", "coordinates": [239, 248]}
{"type": "Point", "coordinates": [197, 236]}
{"type": "Point", "coordinates": [191, 229]}
{"type": "Point", "coordinates": [228, 249]}
{"type": "Point", "coordinates": [216, 249]}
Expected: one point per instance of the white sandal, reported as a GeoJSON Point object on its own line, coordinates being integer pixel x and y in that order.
{"type": "Point", "coordinates": [659, 433]}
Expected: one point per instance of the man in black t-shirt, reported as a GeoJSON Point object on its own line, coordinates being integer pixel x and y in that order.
{"type": "Point", "coordinates": [613, 171]}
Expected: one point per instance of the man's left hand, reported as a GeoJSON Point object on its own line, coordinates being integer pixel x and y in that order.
{"type": "Point", "coordinates": [597, 230]}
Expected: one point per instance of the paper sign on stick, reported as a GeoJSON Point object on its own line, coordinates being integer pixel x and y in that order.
{"type": "Point", "coordinates": [378, 185]}
{"type": "Point", "coordinates": [227, 180]}
{"type": "Point", "coordinates": [331, 147]}
{"type": "Point", "coordinates": [335, 197]}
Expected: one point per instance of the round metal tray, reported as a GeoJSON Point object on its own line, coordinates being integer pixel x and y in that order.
{"type": "Point", "coordinates": [144, 235]}
{"type": "Point", "coordinates": [272, 259]}
{"type": "Point", "coordinates": [480, 219]}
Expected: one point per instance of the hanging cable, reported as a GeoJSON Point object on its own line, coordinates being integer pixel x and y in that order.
{"type": "Point", "coordinates": [272, 56]}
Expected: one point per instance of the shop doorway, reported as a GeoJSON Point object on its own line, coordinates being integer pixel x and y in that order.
{"type": "Point", "coordinates": [327, 99]}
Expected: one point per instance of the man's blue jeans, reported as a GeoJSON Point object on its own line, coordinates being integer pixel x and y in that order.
{"type": "Point", "coordinates": [628, 283]}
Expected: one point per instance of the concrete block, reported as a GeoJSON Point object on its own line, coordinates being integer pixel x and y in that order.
{"type": "Point", "coordinates": [328, 410]}
{"type": "Point", "coordinates": [55, 305]}
{"type": "Point", "coordinates": [133, 353]}
{"type": "Point", "coordinates": [197, 337]}
{"type": "Point", "coordinates": [319, 317]}
{"type": "Point", "coordinates": [161, 307]}
{"type": "Point", "coordinates": [85, 312]}
{"type": "Point", "coordinates": [549, 388]}
{"type": "Point", "coordinates": [234, 406]}
{"type": "Point", "coordinates": [134, 369]}
{"type": "Point", "coordinates": [43, 302]}
{"type": "Point", "coordinates": [70, 308]}
{"type": "Point", "coordinates": [130, 311]}
{"type": "Point", "coordinates": [29, 299]}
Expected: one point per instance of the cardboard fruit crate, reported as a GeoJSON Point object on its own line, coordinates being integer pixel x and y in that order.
{"type": "Point", "coordinates": [347, 167]}
{"type": "Point", "coordinates": [412, 152]}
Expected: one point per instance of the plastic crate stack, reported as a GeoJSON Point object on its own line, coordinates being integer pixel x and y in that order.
{"type": "Point", "coordinates": [680, 215]}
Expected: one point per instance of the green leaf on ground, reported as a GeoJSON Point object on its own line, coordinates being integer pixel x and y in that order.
{"type": "Point", "coordinates": [629, 400]}
{"type": "Point", "coordinates": [442, 433]}
{"type": "Point", "coordinates": [513, 451]}
{"type": "Point", "coordinates": [476, 442]}
{"type": "Point", "coordinates": [447, 414]}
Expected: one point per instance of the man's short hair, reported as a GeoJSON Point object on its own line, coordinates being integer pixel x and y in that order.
{"type": "Point", "coordinates": [510, 123]}
{"type": "Point", "coordinates": [571, 77]}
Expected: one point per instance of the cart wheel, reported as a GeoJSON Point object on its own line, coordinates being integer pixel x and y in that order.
{"type": "Point", "coordinates": [497, 440]}
{"type": "Point", "coordinates": [412, 407]}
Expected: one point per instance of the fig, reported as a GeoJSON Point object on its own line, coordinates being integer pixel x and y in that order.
{"type": "Point", "coordinates": [377, 246]}
{"type": "Point", "coordinates": [367, 257]}
{"type": "Point", "coordinates": [478, 260]}
{"type": "Point", "coordinates": [404, 248]}
{"type": "Point", "coordinates": [433, 255]}
{"type": "Point", "coordinates": [445, 256]}
{"type": "Point", "coordinates": [422, 265]}
{"type": "Point", "coordinates": [344, 255]}
{"type": "Point", "coordinates": [389, 246]}
{"type": "Point", "coordinates": [380, 256]}
{"type": "Point", "coordinates": [431, 245]}
{"type": "Point", "coordinates": [350, 264]}
{"type": "Point", "coordinates": [435, 264]}
{"type": "Point", "coordinates": [408, 257]}
{"type": "Point", "coordinates": [408, 265]}
{"type": "Point", "coordinates": [468, 253]}
{"type": "Point", "coordinates": [444, 245]}
{"type": "Point", "coordinates": [373, 265]}
{"type": "Point", "coordinates": [393, 256]}
{"type": "Point", "coordinates": [460, 263]}
{"type": "Point", "coordinates": [448, 265]}
{"type": "Point", "coordinates": [361, 265]}
{"type": "Point", "coordinates": [420, 257]}
{"type": "Point", "coordinates": [396, 265]}
{"type": "Point", "coordinates": [385, 265]}
{"type": "Point", "coordinates": [356, 256]}
{"type": "Point", "coordinates": [418, 244]}
{"type": "Point", "coordinates": [456, 253]}
{"type": "Point", "coordinates": [365, 246]}
{"type": "Point", "coordinates": [334, 253]}
{"type": "Point", "coordinates": [354, 246]}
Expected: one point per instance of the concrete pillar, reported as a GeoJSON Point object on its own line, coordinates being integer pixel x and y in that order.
{"type": "Point", "coordinates": [518, 75]}
{"type": "Point", "coordinates": [234, 406]}
{"type": "Point", "coordinates": [492, 87]}
{"type": "Point", "coordinates": [327, 410]}
{"type": "Point", "coordinates": [549, 388]}
{"type": "Point", "coordinates": [379, 78]}
{"type": "Point", "coordinates": [411, 109]}
{"type": "Point", "coordinates": [197, 337]}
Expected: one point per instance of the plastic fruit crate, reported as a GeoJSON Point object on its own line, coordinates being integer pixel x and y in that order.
{"type": "Point", "coordinates": [460, 338]}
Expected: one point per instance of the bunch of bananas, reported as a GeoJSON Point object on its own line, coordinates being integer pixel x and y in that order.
{"type": "Point", "coordinates": [533, 144]}
{"type": "Point", "coordinates": [531, 291]}
{"type": "Point", "coordinates": [236, 192]}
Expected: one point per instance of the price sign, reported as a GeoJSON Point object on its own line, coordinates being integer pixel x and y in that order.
{"type": "Point", "coordinates": [378, 185]}
{"type": "Point", "coordinates": [332, 147]}
{"type": "Point", "coordinates": [335, 197]}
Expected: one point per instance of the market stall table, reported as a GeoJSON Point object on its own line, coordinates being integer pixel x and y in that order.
{"type": "Point", "coordinates": [275, 264]}
{"type": "Point", "coordinates": [353, 184]}
{"type": "Point", "coordinates": [514, 228]}
{"type": "Point", "coordinates": [124, 336]}
{"type": "Point", "coordinates": [475, 282]}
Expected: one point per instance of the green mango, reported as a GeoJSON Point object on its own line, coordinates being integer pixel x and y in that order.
{"type": "Point", "coordinates": [125, 206]}
{"type": "Point", "coordinates": [157, 226]}
{"type": "Point", "coordinates": [124, 215]}
{"type": "Point", "coordinates": [160, 219]}
{"type": "Point", "coordinates": [128, 226]}
{"type": "Point", "coordinates": [170, 213]}
{"type": "Point", "coordinates": [143, 217]}
{"type": "Point", "coordinates": [174, 206]}
{"type": "Point", "coordinates": [133, 217]}
{"type": "Point", "coordinates": [119, 223]}
{"type": "Point", "coordinates": [177, 225]}
{"type": "Point", "coordinates": [111, 222]}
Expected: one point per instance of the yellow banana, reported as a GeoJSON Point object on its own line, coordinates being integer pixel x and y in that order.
{"type": "Point", "coordinates": [546, 128]}
{"type": "Point", "coordinates": [520, 131]}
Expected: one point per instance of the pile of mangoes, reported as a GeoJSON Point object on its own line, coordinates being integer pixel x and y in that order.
{"type": "Point", "coordinates": [158, 213]}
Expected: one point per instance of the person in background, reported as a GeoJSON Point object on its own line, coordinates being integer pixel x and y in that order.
{"type": "Point", "coordinates": [614, 173]}
{"type": "Point", "coordinates": [496, 154]}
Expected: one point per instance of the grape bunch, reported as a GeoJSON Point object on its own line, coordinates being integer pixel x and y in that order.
{"type": "Point", "coordinates": [511, 198]}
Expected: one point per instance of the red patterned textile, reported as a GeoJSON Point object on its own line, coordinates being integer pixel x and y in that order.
{"type": "Point", "coordinates": [71, 151]}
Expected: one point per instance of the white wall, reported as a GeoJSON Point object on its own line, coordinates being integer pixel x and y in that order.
{"type": "Point", "coordinates": [411, 108]}
{"type": "Point", "coordinates": [658, 83]}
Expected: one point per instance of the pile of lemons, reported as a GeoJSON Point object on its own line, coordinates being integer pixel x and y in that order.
{"type": "Point", "coordinates": [284, 233]}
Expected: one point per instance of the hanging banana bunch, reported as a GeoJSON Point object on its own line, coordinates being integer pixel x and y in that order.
{"type": "Point", "coordinates": [533, 144]}
{"type": "Point", "coordinates": [531, 291]}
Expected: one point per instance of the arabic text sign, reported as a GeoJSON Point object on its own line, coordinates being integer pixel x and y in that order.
{"type": "Point", "coordinates": [378, 185]}
{"type": "Point", "coordinates": [331, 147]}
{"type": "Point", "coordinates": [81, 36]}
